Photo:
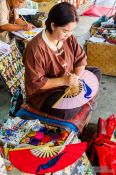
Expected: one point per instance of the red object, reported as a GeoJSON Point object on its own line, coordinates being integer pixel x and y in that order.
{"type": "Point", "coordinates": [46, 139]}
{"type": "Point", "coordinates": [2, 151]}
{"type": "Point", "coordinates": [64, 135]}
{"type": "Point", "coordinates": [9, 167]}
{"type": "Point", "coordinates": [106, 149]}
{"type": "Point", "coordinates": [39, 135]}
{"type": "Point", "coordinates": [106, 127]}
{"type": "Point", "coordinates": [99, 11]}
{"type": "Point", "coordinates": [24, 160]}
{"type": "Point", "coordinates": [80, 119]}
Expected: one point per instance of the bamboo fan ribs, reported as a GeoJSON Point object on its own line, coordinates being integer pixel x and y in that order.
{"type": "Point", "coordinates": [73, 91]}
{"type": "Point", "coordinates": [46, 151]}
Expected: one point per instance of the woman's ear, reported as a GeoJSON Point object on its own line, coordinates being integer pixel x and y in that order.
{"type": "Point", "coordinates": [52, 26]}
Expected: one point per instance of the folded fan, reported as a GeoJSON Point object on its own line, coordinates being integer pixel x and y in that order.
{"type": "Point", "coordinates": [47, 151]}
{"type": "Point", "coordinates": [26, 161]}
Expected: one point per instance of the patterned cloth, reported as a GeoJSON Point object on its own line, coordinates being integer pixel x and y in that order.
{"type": "Point", "coordinates": [11, 68]}
{"type": "Point", "coordinates": [80, 167]}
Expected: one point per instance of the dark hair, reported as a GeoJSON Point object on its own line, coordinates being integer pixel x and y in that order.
{"type": "Point", "coordinates": [61, 14]}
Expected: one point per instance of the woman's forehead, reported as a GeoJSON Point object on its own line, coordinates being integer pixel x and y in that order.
{"type": "Point", "coordinates": [69, 26]}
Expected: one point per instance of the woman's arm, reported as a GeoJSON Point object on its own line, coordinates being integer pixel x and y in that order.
{"type": "Point", "coordinates": [19, 21]}
{"type": "Point", "coordinates": [11, 27]}
{"type": "Point", "coordinates": [22, 22]}
{"type": "Point", "coordinates": [53, 83]}
{"type": "Point", "coordinates": [67, 80]}
{"type": "Point", "coordinates": [15, 27]}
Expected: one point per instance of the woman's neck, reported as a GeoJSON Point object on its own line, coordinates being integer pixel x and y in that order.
{"type": "Point", "coordinates": [51, 38]}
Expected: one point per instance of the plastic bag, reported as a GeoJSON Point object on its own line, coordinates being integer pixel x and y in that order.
{"type": "Point", "coordinates": [106, 149]}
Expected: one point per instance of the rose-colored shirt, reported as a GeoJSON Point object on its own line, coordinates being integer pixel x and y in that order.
{"type": "Point", "coordinates": [43, 61]}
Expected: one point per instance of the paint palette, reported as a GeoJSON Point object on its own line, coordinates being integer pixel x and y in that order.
{"type": "Point", "coordinates": [47, 134]}
{"type": "Point", "coordinates": [18, 131]}
{"type": "Point", "coordinates": [30, 33]}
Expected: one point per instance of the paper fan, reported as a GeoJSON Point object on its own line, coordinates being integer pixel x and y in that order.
{"type": "Point", "coordinates": [88, 88]}
{"type": "Point", "coordinates": [27, 162]}
{"type": "Point", "coordinates": [73, 91]}
{"type": "Point", "coordinates": [47, 151]}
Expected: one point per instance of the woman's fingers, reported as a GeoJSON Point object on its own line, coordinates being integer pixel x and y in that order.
{"type": "Point", "coordinates": [71, 80]}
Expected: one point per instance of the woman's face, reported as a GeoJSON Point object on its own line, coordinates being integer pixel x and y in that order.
{"type": "Point", "coordinates": [62, 33]}
{"type": "Point", "coordinates": [17, 3]}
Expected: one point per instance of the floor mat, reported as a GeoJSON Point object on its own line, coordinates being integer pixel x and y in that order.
{"type": "Point", "coordinates": [98, 11]}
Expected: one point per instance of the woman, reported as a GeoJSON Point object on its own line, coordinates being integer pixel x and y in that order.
{"type": "Point", "coordinates": [9, 19]}
{"type": "Point", "coordinates": [52, 60]}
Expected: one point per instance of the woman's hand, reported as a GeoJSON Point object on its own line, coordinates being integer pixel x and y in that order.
{"type": "Point", "coordinates": [28, 26]}
{"type": "Point", "coordinates": [70, 80]}
{"type": "Point", "coordinates": [31, 25]}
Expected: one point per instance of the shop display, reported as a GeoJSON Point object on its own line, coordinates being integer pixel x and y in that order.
{"type": "Point", "coordinates": [103, 23]}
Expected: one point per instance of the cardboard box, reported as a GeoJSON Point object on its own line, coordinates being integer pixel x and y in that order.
{"type": "Point", "coordinates": [103, 56]}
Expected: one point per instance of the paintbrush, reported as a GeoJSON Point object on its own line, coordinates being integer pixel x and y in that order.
{"type": "Point", "coordinates": [66, 91]}
{"type": "Point", "coordinates": [26, 23]}
{"type": "Point", "coordinates": [24, 19]}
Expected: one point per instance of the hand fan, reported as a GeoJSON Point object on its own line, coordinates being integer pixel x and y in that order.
{"type": "Point", "coordinates": [78, 96]}
{"type": "Point", "coordinates": [43, 160]}
{"type": "Point", "coordinates": [47, 151]}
